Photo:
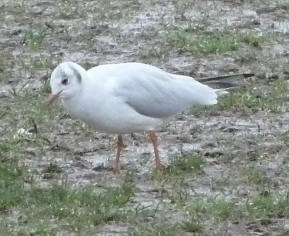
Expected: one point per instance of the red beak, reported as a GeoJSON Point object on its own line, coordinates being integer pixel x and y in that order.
{"type": "Point", "coordinates": [53, 97]}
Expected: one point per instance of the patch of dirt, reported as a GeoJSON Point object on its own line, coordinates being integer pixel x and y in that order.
{"type": "Point", "coordinates": [92, 33]}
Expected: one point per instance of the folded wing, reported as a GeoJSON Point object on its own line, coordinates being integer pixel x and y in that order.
{"type": "Point", "coordinates": [158, 94]}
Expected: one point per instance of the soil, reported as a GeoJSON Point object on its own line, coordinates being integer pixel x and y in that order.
{"type": "Point", "coordinates": [92, 33]}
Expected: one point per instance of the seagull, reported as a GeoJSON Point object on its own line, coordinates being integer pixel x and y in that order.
{"type": "Point", "coordinates": [126, 98]}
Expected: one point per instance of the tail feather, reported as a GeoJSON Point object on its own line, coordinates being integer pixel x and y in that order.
{"type": "Point", "coordinates": [226, 81]}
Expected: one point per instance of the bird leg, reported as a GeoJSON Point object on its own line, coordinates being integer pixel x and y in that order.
{"type": "Point", "coordinates": [154, 139]}
{"type": "Point", "coordinates": [120, 146]}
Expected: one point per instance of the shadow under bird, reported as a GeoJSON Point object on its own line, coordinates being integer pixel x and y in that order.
{"type": "Point", "coordinates": [128, 97]}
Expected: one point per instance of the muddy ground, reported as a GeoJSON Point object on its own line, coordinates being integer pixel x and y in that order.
{"type": "Point", "coordinates": [242, 145]}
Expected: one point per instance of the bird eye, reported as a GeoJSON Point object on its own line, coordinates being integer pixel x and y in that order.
{"type": "Point", "coordinates": [64, 82]}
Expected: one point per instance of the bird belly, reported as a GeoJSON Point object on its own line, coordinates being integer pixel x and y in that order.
{"type": "Point", "coordinates": [117, 121]}
{"type": "Point", "coordinates": [123, 123]}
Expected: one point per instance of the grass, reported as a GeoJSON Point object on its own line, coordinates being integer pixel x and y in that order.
{"type": "Point", "coordinates": [253, 98]}
{"type": "Point", "coordinates": [193, 40]}
{"type": "Point", "coordinates": [53, 168]}
{"type": "Point", "coordinates": [34, 38]}
{"type": "Point", "coordinates": [163, 229]}
{"type": "Point", "coordinates": [10, 149]}
{"type": "Point", "coordinates": [221, 208]}
{"type": "Point", "coordinates": [205, 44]}
{"type": "Point", "coordinates": [24, 123]}
{"type": "Point", "coordinates": [255, 176]}
{"type": "Point", "coordinates": [268, 205]}
{"type": "Point", "coordinates": [80, 209]}
{"type": "Point", "coordinates": [187, 164]}
{"type": "Point", "coordinates": [192, 226]}
{"type": "Point", "coordinates": [182, 6]}
{"type": "Point", "coordinates": [218, 208]}
{"type": "Point", "coordinates": [285, 138]}
{"type": "Point", "coordinates": [178, 168]}
{"type": "Point", "coordinates": [183, 41]}
{"type": "Point", "coordinates": [188, 200]}
{"type": "Point", "coordinates": [68, 10]}
{"type": "Point", "coordinates": [6, 61]}
{"type": "Point", "coordinates": [153, 52]}
{"type": "Point", "coordinates": [26, 119]}
{"type": "Point", "coordinates": [10, 186]}
{"type": "Point", "coordinates": [36, 63]}
{"type": "Point", "coordinates": [104, 11]}
{"type": "Point", "coordinates": [19, 6]}
{"type": "Point", "coordinates": [45, 88]}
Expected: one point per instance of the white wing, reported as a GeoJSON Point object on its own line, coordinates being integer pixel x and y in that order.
{"type": "Point", "coordinates": [151, 91]}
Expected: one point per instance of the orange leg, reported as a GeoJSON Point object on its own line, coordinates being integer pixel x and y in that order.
{"type": "Point", "coordinates": [120, 146]}
{"type": "Point", "coordinates": [154, 139]}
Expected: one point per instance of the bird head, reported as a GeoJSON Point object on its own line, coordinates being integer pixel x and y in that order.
{"type": "Point", "coordinates": [65, 81]}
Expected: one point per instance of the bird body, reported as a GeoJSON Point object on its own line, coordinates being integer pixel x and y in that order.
{"type": "Point", "coordinates": [127, 97]}
{"type": "Point", "coordinates": [131, 97]}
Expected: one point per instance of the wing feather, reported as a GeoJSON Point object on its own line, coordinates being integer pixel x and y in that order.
{"type": "Point", "coordinates": [155, 93]}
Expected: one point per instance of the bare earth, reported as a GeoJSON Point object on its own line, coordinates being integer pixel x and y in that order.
{"type": "Point", "coordinates": [243, 146]}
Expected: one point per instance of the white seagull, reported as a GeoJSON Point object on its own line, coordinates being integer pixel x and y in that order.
{"type": "Point", "coordinates": [127, 97]}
